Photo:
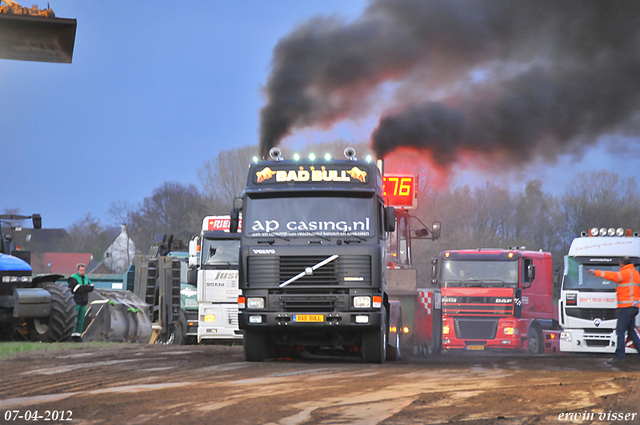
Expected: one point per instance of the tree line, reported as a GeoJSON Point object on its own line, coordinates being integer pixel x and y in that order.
{"type": "Point", "coordinates": [487, 216]}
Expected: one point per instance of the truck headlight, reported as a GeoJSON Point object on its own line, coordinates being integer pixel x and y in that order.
{"type": "Point", "coordinates": [565, 336]}
{"type": "Point", "coordinates": [208, 317]}
{"type": "Point", "coordinates": [362, 302]}
{"type": "Point", "coordinates": [446, 329]}
{"type": "Point", "coordinates": [510, 330]}
{"type": "Point", "coordinates": [255, 303]}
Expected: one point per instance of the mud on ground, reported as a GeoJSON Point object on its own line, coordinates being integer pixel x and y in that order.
{"type": "Point", "coordinates": [147, 384]}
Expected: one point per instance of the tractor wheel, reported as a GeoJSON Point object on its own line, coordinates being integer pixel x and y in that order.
{"type": "Point", "coordinates": [62, 319]}
{"type": "Point", "coordinates": [374, 343]}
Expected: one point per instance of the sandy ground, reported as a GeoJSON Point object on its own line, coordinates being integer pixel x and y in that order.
{"type": "Point", "coordinates": [145, 384]}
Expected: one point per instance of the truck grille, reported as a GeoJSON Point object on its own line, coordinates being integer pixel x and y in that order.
{"type": "Point", "coordinates": [592, 313]}
{"type": "Point", "coordinates": [231, 315]}
{"type": "Point", "coordinates": [476, 328]}
{"type": "Point", "coordinates": [477, 306]}
{"type": "Point", "coordinates": [273, 270]}
{"type": "Point", "coordinates": [597, 342]}
{"type": "Point", "coordinates": [191, 315]}
{"type": "Point", "coordinates": [310, 304]}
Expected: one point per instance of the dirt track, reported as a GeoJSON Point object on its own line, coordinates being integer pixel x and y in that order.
{"type": "Point", "coordinates": [141, 384]}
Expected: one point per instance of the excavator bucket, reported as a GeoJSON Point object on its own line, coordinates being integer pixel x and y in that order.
{"type": "Point", "coordinates": [117, 316]}
{"type": "Point", "coordinates": [37, 38]}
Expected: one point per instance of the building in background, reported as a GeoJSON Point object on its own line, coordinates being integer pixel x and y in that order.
{"type": "Point", "coordinates": [120, 253]}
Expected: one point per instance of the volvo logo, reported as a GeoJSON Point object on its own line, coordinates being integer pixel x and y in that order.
{"type": "Point", "coordinates": [264, 251]}
{"type": "Point", "coordinates": [596, 322]}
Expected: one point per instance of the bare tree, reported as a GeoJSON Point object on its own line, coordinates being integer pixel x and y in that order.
{"type": "Point", "coordinates": [173, 208]}
{"type": "Point", "coordinates": [88, 235]}
{"type": "Point", "coordinates": [600, 199]}
{"type": "Point", "coordinates": [225, 176]}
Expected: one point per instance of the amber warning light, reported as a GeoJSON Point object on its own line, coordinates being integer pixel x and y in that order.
{"type": "Point", "coordinates": [400, 190]}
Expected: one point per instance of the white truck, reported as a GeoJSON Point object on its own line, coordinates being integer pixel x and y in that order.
{"type": "Point", "coordinates": [587, 307]}
{"type": "Point", "coordinates": [213, 262]}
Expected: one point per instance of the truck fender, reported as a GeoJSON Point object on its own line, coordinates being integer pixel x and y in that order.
{"type": "Point", "coordinates": [47, 278]}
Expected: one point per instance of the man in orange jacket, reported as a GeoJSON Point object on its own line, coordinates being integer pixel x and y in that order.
{"type": "Point", "coordinates": [628, 295]}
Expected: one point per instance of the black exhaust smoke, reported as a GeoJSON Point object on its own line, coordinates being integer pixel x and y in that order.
{"type": "Point", "coordinates": [488, 78]}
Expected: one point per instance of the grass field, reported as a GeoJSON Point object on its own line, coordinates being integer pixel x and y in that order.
{"type": "Point", "coordinates": [10, 349]}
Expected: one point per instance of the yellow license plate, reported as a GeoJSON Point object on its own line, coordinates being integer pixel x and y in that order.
{"type": "Point", "coordinates": [308, 318]}
{"type": "Point", "coordinates": [475, 347]}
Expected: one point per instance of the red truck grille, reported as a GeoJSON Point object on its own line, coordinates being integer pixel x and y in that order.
{"type": "Point", "coordinates": [476, 328]}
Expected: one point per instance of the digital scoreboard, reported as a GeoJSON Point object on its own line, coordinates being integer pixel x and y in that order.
{"type": "Point", "coordinates": [400, 191]}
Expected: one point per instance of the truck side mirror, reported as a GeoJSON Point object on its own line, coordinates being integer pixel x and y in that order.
{"type": "Point", "coordinates": [389, 219]}
{"type": "Point", "coordinates": [422, 233]}
{"type": "Point", "coordinates": [234, 221]}
{"type": "Point", "coordinates": [37, 221]}
{"type": "Point", "coordinates": [193, 252]}
{"type": "Point", "coordinates": [192, 276]}
{"type": "Point", "coordinates": [531, 272]}
{"type": "Point", "coordinates": [435, 230]}
{"type": "Point", "coordinates": [434, 271]}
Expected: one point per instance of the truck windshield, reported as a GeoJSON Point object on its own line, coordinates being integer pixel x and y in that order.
{"type": "Point", "coordinates": [322, 216]}
{"type": "Point", "coordinates": [576, 276]}
{"type": "Point", "coordinates": [479, 273]}
{"type": "Point", "coordinates": [220, 252]}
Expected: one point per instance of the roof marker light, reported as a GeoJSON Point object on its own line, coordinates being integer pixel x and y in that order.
{"type": "Point", "coordinates": [312, 157]}
{"type": "Point", "coordinates": [327, 156]}
{"type": "Point", "coordinates": [619, 231]}
{"type": "Point", "coordinates": [296, 156]}
{"type": "Point", "coordinates": [593, 231]}
{"type": "Point", "coordinates": [611, 231]}
{"type": "Point", "coordinates": [603, 231]}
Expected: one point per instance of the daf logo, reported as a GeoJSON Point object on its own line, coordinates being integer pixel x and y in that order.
{"type": "Point", "coordinates": [264, 251]}
{"type": "Point", "coordinates": [596, 322]}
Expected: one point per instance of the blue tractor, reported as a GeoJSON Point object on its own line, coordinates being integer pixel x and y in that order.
{"type": "Point", "coordinates": [36, 308]}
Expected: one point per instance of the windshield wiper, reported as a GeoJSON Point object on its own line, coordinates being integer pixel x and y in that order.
{"type": "Point", "coordinates": [271, 241]}
{"type": "Point", "coordinates": [494, 281]}
{"type": "Point", "coordinates": [321, 236]}
{"type": "Point", "coordinates": [355, 236]}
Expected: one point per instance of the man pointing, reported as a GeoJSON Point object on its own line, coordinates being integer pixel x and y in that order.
{"type": "Point", "coordinates": [628, 295]}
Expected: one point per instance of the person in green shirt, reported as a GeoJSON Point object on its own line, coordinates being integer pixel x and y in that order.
{"type": "Point", "coordinates": [80, 285]}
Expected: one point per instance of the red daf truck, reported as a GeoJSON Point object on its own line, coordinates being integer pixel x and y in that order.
{"type": "Point", "coordinates": [497, 299]}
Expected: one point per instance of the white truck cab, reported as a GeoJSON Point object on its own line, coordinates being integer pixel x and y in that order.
{"type": "Point", "coordinates": [213, 259]}
{"type": "Point", "coordinates": [587, 307]}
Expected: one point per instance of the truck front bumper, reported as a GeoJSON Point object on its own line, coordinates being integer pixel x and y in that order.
{"type": "Point", "coordinates": [282, 321]}
{"type": "Point", "coordinates": [579, 341]}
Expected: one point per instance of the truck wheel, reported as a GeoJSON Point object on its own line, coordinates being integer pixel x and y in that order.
{"type": "Point", "coordinates": [255, 346]}
{"type": "Point", "coordinates": [62, 319]}
{"type": "Point", "coordinates": [535, 341]}
{"type": "Point", "coordinates": [374, 343]}
{"type": "Point", "coordinates": [394, 353]}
